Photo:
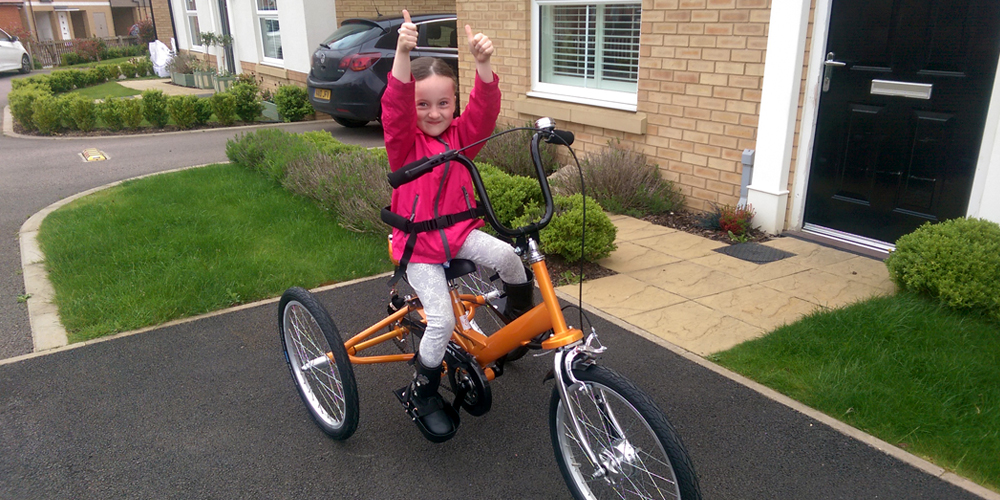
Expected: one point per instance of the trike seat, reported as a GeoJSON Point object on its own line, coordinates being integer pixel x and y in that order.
{"type": "Point", "coordinates": [458, 268]}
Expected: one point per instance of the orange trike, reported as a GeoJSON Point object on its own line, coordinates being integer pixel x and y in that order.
{"type": "Point", "coordinates": [610, 439]}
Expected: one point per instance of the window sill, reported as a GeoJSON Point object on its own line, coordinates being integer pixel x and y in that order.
{"type": "Point", "coordinates": [270, 69]}
{"type": "Point", "coordinates": [622, 121]}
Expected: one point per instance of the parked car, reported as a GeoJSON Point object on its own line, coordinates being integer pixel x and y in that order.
{"type": "Point", "coordinates": [350, 69]}
{"type": "Point", "coordinates": [12, 54]}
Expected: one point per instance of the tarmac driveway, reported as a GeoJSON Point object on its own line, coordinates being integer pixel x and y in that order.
{"type": "Point", "coordinates": [206, 409]}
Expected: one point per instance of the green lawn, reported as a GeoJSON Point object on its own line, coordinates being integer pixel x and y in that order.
{"type": "Point", "coordinates": [190, 242]}
{"type": "Point", "coordinates": [105, 90]}
{"type": "Point", "coordinates": [902, 368]}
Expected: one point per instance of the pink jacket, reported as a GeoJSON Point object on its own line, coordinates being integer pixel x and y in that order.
{"type": "Point", "coordinates": [405, 143]}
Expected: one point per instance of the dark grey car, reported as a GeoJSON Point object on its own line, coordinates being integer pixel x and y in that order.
{"type": "Point", "coordinates": [351, 67]}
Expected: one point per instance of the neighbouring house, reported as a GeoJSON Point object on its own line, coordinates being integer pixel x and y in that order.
{"type": "Point", "coordinates": [13, 18]}
{"type": "Point", "coordinates": [70, 19]}
{"type": "Point", "coordinates": [866, 118]}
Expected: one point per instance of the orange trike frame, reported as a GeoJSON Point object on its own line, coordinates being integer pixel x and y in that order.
{"type": "Point", "coordinates": [485, 349]}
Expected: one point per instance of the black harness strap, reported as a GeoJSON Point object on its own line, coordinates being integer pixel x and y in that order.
{"type": "Point", "coordinates": [412, 229]}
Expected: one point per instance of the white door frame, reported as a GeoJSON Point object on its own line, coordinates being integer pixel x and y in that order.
{"type": "Point", "coordinates": [987, 176]}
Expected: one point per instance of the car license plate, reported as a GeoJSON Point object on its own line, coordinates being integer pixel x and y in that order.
{"type": "Point", "coordinates": [322, 94]}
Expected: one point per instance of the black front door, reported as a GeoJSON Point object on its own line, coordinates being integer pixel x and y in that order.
{"type": "Point", "coordinates": [905, 93]}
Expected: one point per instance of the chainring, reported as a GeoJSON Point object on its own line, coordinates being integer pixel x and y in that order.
{"type": "Point", "coordinates": [466, 377]}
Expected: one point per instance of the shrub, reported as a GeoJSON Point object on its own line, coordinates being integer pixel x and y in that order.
{"type": "Point", "coordinates": [95, 76]}
{"type": "Point", "coordinates": [511, 153]}
{"type": "Point", "coordinates": [91, 49]}
{"type": "Point", "coordinates": [62, 81]}
{"type": "Point", "coordinates": [82, 113]}
{"type": "Point", "coordinates": [104, 72]}
{"type": "Point", "coordinates": [128, 69]}
{"type": "Point", "coordinates": [248, 102]}
{"type": "Point", "coordinates": [511, 196]}
{"type": "Point", "coordinates": [20, 101]}
{"type": "Point", "coordinates": [81, 79]}
{"type": "Point", "coordinates": [154, 108]}
{"type": "Point", "coordinates": [737, 221]}
{"type": "Point", "coordinates": [293, 103]}
{"type": "Point", "coordinates": [143, 66]}
{"type": "Point", "coordinates": [623, 181]}
{"type": "Point", "coordinates": [146, 33]}
{"type": "Point", "coordinates": [326, 144]}
{"type": "Point", "coordinates": [71, 58]}
{"type": "Point", "coordinates": [562, 235]}
{"type": "Point", "coordinates": [224, 107]}
{"type": "Point", "coordinates": [107, 111]}
{"type": "Point", "coordinates": [268, 151]}
{"type": "Point", "coordinates": [182, 109]}
{"type": "Point", "coordinates": [956, 261]}
{"type": "Point", "coordinates": [350, 185]}
{"type": "Point", "coordinates": [131, 112]}
{"type": "Point", "coordinates": [181, 63]}
{"type": "Point", "coordinates": [202, 111]}
{"type": "Point", "coordinates": [46, 115]}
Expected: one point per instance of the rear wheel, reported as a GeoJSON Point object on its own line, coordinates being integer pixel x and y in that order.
{"type": "Point", "coordinates": [641, 453]}
{"type": "Point", "coordinates": [25, 64]}
{"type": "Point", "coordinates": [318, 363]}
{"type": "Point", "coordinates": [487, 319]}
{"type": "Point", "coordinates": [349, 123]}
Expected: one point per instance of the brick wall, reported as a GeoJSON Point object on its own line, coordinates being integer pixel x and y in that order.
{"type": "Point", "coordinates": [347, 9]}
{"type": "Point", "coordinates": [161, 17]}
{"type": "Point", "coordinates": [10, 18]}
{"type": "Point", "coordinates": [701, 69]}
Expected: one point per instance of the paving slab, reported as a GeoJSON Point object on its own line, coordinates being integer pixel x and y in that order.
{"type": "Point", "coordinates": [165, 86]}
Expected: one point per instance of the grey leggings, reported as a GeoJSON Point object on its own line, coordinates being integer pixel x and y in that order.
{"type": "Point", "coordinates": [431, 286]}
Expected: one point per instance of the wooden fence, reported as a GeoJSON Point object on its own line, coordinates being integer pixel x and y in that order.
{"type": "Point", "coordinates": [49, 53]}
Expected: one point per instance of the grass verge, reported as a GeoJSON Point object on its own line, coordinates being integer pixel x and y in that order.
{"type": "Point", "coordinates": [105, 90]}
{"type": "Point", "coordinates": [190, 242]}
{"type": "Point", "coordinates": [902, 368]}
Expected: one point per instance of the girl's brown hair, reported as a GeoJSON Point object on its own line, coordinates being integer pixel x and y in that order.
{"type": "Point", "coordinates": [423, 67]}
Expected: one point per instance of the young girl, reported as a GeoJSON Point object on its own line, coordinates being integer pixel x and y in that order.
{"type": "Point", "coordinates": [418, 110]}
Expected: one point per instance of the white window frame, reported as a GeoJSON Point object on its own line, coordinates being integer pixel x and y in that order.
{"type": "Point", "coordinates": [190, 14]}
{"type": "Point", "coordinates": [260, 15]}
{"type": "Point", "coordinates": [624, 100]}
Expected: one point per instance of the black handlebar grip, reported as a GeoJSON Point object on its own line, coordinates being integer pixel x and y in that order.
{"type": "Point", "coordinates": [560, 137]}
{"type": "Point", "coordinates": [409, 172]}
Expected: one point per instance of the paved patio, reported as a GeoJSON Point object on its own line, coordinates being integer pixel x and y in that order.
{"type": "Point", "coordinates": [675, 285]}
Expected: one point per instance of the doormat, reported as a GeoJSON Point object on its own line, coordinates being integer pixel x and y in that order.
{"type": "Point", "coordinates": [754, 252]}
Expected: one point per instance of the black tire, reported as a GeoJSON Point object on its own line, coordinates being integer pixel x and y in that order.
{"type": "Point", "coordinates": [328, 390]}
{"type": "Point", "coordinates": [349, 123]}
{"type": "Point", "coordinates": [649, 460]}
{"type": "Point", "coordinates": [25, 64]}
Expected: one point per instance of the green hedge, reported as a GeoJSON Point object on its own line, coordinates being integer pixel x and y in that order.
{"type": "Point", "coordinates": [956, 261]}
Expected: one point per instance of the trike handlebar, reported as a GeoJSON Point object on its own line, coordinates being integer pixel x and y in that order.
{"type": "Point", "coordinates": [544, 130]}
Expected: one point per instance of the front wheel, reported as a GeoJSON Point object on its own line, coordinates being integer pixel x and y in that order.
{"type": "Point", "coordinates": [641, 453]}
{"type": "Point", "coordinates": [318, 363]}
{"type": "Point", "coordinates": [25, 64]}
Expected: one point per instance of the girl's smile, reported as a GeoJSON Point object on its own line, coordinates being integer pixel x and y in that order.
{"type": "Point", "coordinates": [435, 98]}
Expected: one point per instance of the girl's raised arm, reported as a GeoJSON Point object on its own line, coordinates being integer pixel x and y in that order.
{"type": "Point", "coordinates": [407, 41]}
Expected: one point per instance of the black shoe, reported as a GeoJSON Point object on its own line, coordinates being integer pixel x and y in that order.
{"type": "Point", "coordinates": [520, 297]}
{"type": "Point", "coordinates": [437, 420]}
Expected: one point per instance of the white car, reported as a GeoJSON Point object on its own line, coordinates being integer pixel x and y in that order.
{"type": "Point", "coordinates": [12, 54]}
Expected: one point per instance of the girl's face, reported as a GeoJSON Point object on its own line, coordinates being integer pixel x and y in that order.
{"type": "Point", "coordinates": [435, 97]}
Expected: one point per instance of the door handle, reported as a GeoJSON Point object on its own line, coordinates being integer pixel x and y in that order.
{"type": "Point", "coordinates": [830, 63]}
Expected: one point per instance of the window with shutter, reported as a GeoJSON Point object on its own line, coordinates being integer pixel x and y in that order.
{"type": "Point", "coordinates": [587, 51]}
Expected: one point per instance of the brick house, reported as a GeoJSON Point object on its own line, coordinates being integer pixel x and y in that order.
{"type": "Point", "coordinates": [866, 117]}
{"type": "Point", "coordinates": [73, 19]}
{"type": "Point", "coordinates": [12, 16]}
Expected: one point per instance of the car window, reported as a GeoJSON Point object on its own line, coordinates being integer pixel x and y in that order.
{"type": "Point", "coordinates": [351, 35]}
{"type": "Point", "coordinates": [440, 34]}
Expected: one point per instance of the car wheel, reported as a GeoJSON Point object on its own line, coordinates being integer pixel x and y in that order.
{"type": "Point", "coordinates": [25, 64]}
{"type": "Point", "coordinates": [349, 123]}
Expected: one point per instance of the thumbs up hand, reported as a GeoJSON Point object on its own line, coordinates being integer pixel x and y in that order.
{"type": "Point", "coordinates": [480, 45]}
{"type": "Point", "coordinates": [407, 40]}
